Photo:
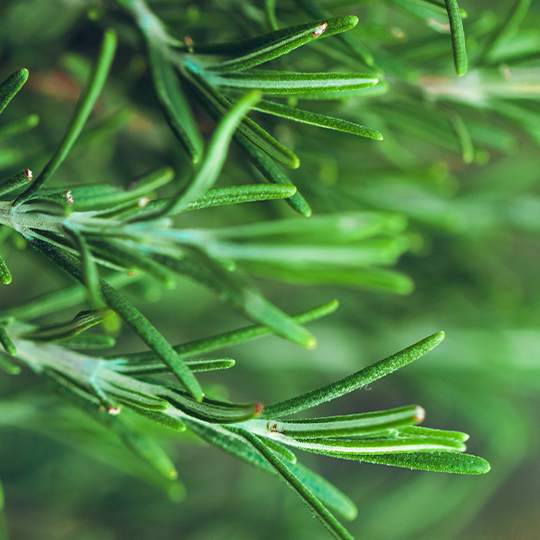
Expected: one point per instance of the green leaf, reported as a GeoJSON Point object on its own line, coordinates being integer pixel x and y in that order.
{"type": "Point", "coordinates": [227, 339]}
{"type": "Point", "coordinates": [355, 448]}
{"type": "Point", "coordinates": [316, 506]}
{"type": "Point", "coordinates": [82, 112]}
{"type": "Point", "coordinates": [210, 410]}
{"type": "Point", "coordinates": [292, 83]}
{"type": "Point", "coordinates": [241, 194]}
{"type": "Point", "coordinates": [316, 119]}
{"type": "Point", "coordinates": [154, 365]}
{"type": "Point", "coordinates": [15, 182]}
{"type": "Point", "coordinates": [104, 197]}
{"type": "Point", "coordinates": [82, 321]}
{"type": "Point", "coordinates": [356, 380]}
{"type": "Point", "coordinates": [89, 341]}
{"type": "Point", "coordinates": [173, 102]}
{"type": "Point", "coordinates": [328, 494]}
{"type": "Point", "coordinates": [283, 44]}
{"type": "Point", "coordinates": [449, 462]}
{"type": "Point", "coordinates": [276, 40]}
{"type": "Point", "coordinates": [5, 274]}
{"type": "Point", "coordinates": [458, 37]}
{"type": "Point", "coordinates": [124, 255]}
{"type": "Point", "coordinates": [6, 342]}
{"type": "Point", "coordinates": [334, 426]}
{"type": "Point", "coordinates": [10, 87]}
{"type": "Point", "coordinates": [271, 172]}
{"type": "Point", "coordinates": [258, 136]}
{"type": "Point", "coordinates": [90, 271]}
{"type": "Point", "coordinates": [216, 154]}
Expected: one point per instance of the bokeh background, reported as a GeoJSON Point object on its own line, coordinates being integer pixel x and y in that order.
{"type": "Point", "coordinates": [460, 160]}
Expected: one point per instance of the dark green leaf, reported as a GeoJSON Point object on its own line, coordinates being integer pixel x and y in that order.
{"type": "Point", "coordinates": [356, 380]}
{"type": "Point", "coordinates": [458, 37]}
{"type": "Point", "coordinates": [10, 87]}
{"type": "Point", "coordinates": [450, 462]}
{"type": "Point", "coordinates": [316, 119]}
{"type": "Point", "coordinates": [297, 36]}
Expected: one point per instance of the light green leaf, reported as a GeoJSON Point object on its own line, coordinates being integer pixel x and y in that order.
{"type": "Point", "coordinates": [290, 83]}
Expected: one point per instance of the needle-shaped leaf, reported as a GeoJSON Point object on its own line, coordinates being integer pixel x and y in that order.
{"type": "Point", "coordinates": [242, 194]}
{"type": "Point", "coordinates": [356, 380]}
{"type": "Point", "coordinates": [221, 105]}
{"type": "Point", "coordinates": [81, 322]}
{"type": "Point", "coordinates": [131, 396]}
{"type": "Point", "coordinates": [82, 112]}
{"type": "Point", "coordinates": [276, 39]}
{"type": "Point", "coordinates": [142, 327]}
{"type": "Point", "coordinates": [450, 462]}
{"type": "Point", "coordinates": [216, 154]}
{"type": "Point", "coordinates": [228, 339]}
{"type": "Point", "coordinates": [458, 37]}
{"type": "Point", "coordinates": [161, 417]}
{"type": "Point", "coordinates": [350, 424]}
{"type": "Point", "coordinates": [104, 197]}
{"type": "Point", "coordinates": [271, 172]}
{"type": "Point", "coordinates": [241, 294]}
{"type": "Point", "coordinates": [90, 271]}
{"type": "Point", "coordinates": [124, 255]}
{"type": "Point", "coordinates": [355, 447]}
{"type": "Point", "coordinates": [15, 182]}
{"type": "Point", "coordinates": [155, 365]}
{"type": "Point", "coordinates": [293, 83]}
{"type": "Point", "coordinates": [457, 436]}
{"type": "Point", "coordinates": [297, 36]}
{"type": "Point", "coordinates": [316, 119]}
{"type": "Point", "coordinates": [89, 341]}
{"type": "Point", "coordinates": [6, 342]}
{"type": "Point", "coordinates": [5, 274]}
{"type": "Point", "coordinates": [210, 410]}
{"type": "Point", "coordinates": [10, 87]}
{"type": "Point", "coordinates": [173, 102]}
{"type": "Point", "coordinates": [327, 493]}
{"type": "Point", "coordinates": [316, 506]}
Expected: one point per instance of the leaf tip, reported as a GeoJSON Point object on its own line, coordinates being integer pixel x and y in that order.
{"type": "Point", "coordinates": [419, 414]}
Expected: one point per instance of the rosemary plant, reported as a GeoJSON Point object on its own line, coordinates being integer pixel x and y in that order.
{"type": "Point", "coordinates": [109, 237]}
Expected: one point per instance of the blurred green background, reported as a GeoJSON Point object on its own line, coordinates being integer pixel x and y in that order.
{"type": "Point", "coordinates": [460, 160]}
